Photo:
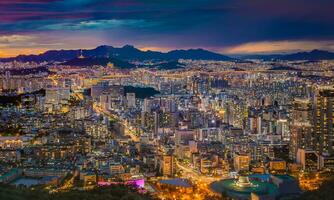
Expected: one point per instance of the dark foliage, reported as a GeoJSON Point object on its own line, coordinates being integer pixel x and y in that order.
{"type": "Point", "coordinates": [99, 193]}
{"type": "Point", "coordinates": [17, 99]}
{"type": "Point", "coordinates": [141, 93]}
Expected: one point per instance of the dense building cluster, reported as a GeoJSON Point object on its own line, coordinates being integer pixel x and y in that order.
{"type": "Point", "coordinates": [205, 122]}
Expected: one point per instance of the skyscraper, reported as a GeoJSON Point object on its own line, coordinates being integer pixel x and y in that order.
{"type": "Point", "coordinates": [301, 126]}
{"type": "Point", "coordinates": [156, 124]}
{"type": "Point", "coordinates": [167, 165]}
{"type": "Point", "coordinates": [323, 120]}
{"type": "Point", "coordinates": [131, 100]}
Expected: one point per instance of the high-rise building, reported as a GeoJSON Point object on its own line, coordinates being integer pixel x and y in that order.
{"type": "Point", "coordinates": [167, 165]}
{"type": "Point", "coordinates": [283, 129]}
{"type": "Point", "coordinates": [147, 105]}
{"type": "Point", "coordinates": [156, 124]}
{"type": "Point", "coordinates": [105, 101]}
{"type": "Point", "coordinates": [323, 120]}
{"type": "Point", "coordinates": [241, 162]}
{"type": "Point", "coordinates": [131, 100]}
{"type": "Point", "coordinates": [308, 159]}
{"type": "Point", "coordinates": [301, 126]}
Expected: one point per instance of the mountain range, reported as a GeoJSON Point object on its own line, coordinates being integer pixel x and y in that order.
{"type": "Point", "coordinates": [314, 55]}
{"type": "Point", "coordinates": [126, 53]}
{"type": "Point", "coordinates": [122, 57]}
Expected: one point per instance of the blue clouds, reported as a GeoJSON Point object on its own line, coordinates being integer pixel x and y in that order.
{"type": "Point", "coordinates": [173, 23]}
{"type": "Point", "coordinates": [102, 24]}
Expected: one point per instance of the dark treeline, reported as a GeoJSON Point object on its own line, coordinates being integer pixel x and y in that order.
{"type": "Point", "coordinates": [17, 99]}
{"type": "Point", "coordinates": [99, 193]}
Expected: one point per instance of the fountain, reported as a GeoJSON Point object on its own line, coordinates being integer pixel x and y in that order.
{"type": "Point", "coordinates": [243, 187]}
{"type": "Point", "coordinates": [243, 181]}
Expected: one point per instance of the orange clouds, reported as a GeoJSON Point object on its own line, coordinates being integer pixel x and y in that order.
{"type": "Point", "coordinates": [10, 52]}
{"type": "Point", "coordinates": [13, 45]}
{"type": "Point", "coordinates": [278, 47]}
{"type": "Point", "coordinates": [162, 49]}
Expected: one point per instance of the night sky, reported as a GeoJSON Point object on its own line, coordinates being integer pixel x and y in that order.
{"type": "Point", "coordinates": [225, 26]}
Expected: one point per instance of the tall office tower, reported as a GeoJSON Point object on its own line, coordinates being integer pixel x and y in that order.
{"type": "Point", "coordinates": [131, 100]}
{"type": "Point", "coordinates": [195, 85]}
{"type": "Point", "coordinates": [323, 120]}
{"type": "Point", "coordinates": [147, 105]}
{"type": "Point", "coordinates": [255, 124]}
{"type": "Point", "coordinates": [167, 165]}
{"type": "Point", "coordinates": [156, 124]}
{"type": "Point", "coordinates": [283, 129]}
{"type": "Point", "coordinates": [301, 126]}
{"type": "Point", "coordinates": [105, 101]}
{"type": "Point", "coordinates": [238, 112]}
{"type": "Point", "coordinates": [229, 114]}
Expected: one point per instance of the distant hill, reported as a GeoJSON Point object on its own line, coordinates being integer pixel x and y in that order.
{"type": "Point", "coordinates": [196, 54]}
{"type": "Point", "coordinates": [60, 56]}
{"type": "Point", "coordinates": [314, 55]}
{"type": "Point", "coordinates": [127, 52]}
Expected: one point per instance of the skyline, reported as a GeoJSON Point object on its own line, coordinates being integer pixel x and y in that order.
{"type": "Point", "coordinates": [227, 27]}
{"type": "Point", "coordinates": [166, 99]}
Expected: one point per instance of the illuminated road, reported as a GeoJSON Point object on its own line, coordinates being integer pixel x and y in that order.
{"type": "Point", "coordinates": [68, 184]}
{"type": "Point", "coordinates": [127, 128]}
{"type": "Point", "coordinates": [200, 190]}
{"type": "Point", "coordinates": [98, 109]}
{"type": "Point", "coordinates": [192, 174]}
{"type": "Point", "coordinates": [53, 79]}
